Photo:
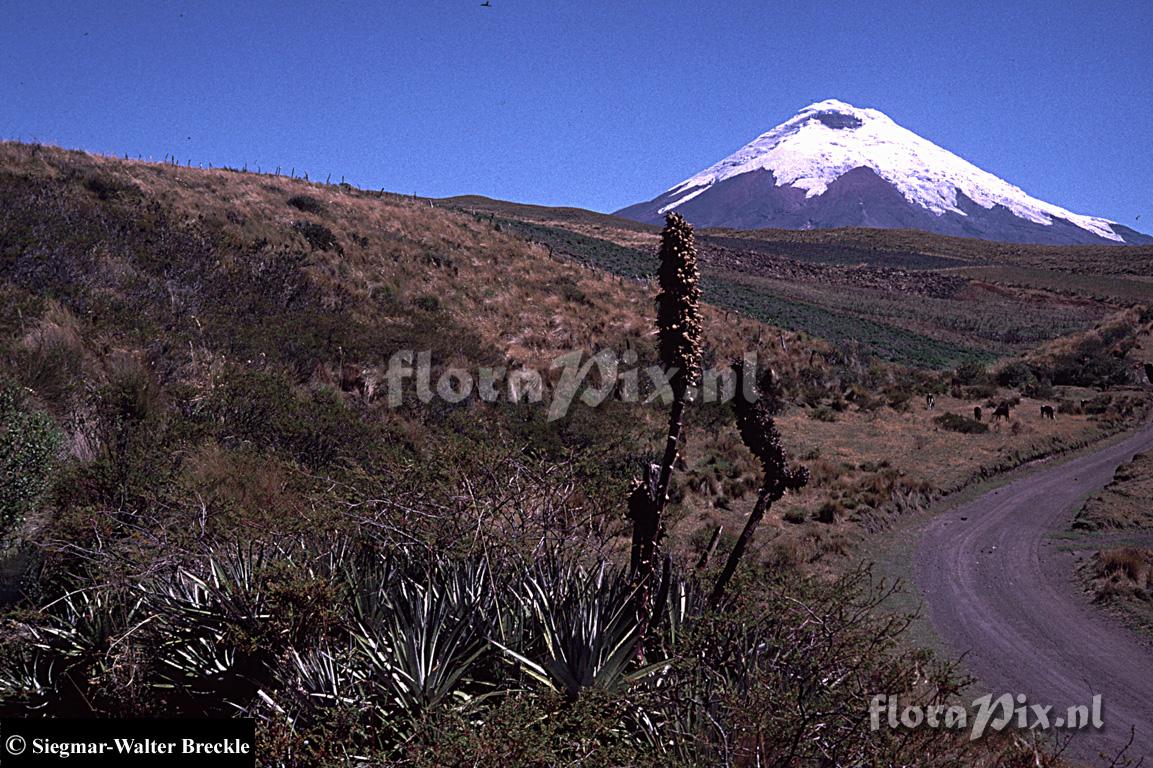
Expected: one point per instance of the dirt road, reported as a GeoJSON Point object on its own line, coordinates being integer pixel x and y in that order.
{"type": "Point", "coordinates": [998, 590]}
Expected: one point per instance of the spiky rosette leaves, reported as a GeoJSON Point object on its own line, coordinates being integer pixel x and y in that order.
{"type": "Point", "coordinates": [679, 302]}
{"type": "Point", "coordinates": [755, 411]}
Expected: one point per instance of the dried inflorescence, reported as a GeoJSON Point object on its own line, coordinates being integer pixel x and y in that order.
{"type": "Point", "coordinates": [679, 303]}
{"type": "Point", "coordinates": [759, 432]}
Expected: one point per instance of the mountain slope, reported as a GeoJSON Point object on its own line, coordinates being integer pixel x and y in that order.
{"type": "Point", "coordinates": [834, 165]}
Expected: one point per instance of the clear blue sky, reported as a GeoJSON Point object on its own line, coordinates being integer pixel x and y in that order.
{"type": "Point", "coordinates": [596, 104]}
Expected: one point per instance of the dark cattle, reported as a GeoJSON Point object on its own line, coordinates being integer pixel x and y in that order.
{"type": "Point", "coordinates": [1002, 412]}
{"type": "Point", "coordinates": [976, 413]}
{"type": "Point", "coordinates": [1047, 412]}
{"type": "Point", "coordinates": [930, 401]}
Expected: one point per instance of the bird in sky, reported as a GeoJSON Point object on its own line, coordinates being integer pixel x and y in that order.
{"type": "Point", "coordinates": [486, 4]}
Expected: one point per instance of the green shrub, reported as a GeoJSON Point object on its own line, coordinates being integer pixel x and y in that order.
{"type": "Point", "coordinates": [28, 443]}
{"type": "Point", "coordinates": [956, 423]}
{"type": "Point", "coordinates": [1090, 366]}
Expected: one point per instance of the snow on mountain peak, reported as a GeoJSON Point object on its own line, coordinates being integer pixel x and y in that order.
{"type": "Point", "coordinates": [827, 139]}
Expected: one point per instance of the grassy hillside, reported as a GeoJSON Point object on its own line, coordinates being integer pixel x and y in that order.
{"type": "Point", "coordinates": [907, 297]}
{"type": "Point", "coordinates": [192, 425]}
{"type": "Point", "coordinates": [193, 329]}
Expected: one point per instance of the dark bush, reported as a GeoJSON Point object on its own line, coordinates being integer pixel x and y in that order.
{"type": "Point", "coordinates": [575, 295]}
{"type": "Point", "coordinates": [823, 413]}
{"type": "Point", "coordinates": [980, 392]}
{"type": "Point", "coordinates": [1097, 405]}
{"type": "Point", "coordinates": [970, 374]}
{"type": "Point", "coordinates": [829, 512]}
{"type": "Point", "coordinates": [1090, 366]}
{"type": "Point", "coordinates": [427, 303]}
{"type": "Point", "coordinates": [1068, 406]}
{"type": "Point", "coordinates": [1016, 375]}
{"type": "Point", "coordinates": [307, 203]}
{"type": "Point", "coordinates": [106, 186]}
{"type": "Point", "coordinates": [318, 236]}
{"type": "Point", "coordinates": [963, 424]}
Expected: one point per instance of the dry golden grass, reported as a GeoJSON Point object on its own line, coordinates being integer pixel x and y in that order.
{"type": "Point", "coordinates": [529, 307]}
{"type": "Point", "coordinates": [51, 353]}
{"type": "Point", "coordinates": [868, 467]}
{"type": "Point", "coordinates": [1126, 565]}
{"type": "Point", "coordinates": [1121, 579]}
{"type": "Point", "coordinates": [520, 299]}
{"type": "Point", "coordinates": [1127, 502]}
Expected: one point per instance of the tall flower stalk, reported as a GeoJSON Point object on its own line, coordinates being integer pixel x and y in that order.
{"type": "Point", "coordinates": [761, 436]}
{"type": "Point", "coordinates": [679, 332]}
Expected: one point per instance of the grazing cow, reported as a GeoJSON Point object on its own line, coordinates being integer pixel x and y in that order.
{"type": "Point", "coordinates": [1002, 412]}
{"type": "Point", "coordinates": [976, 413]}
{"type": "Point", "coordinates": [1047, 412]}
{"type": "Point", "coordinates": [930, 401]}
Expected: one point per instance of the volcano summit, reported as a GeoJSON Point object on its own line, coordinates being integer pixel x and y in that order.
{"type": "Point", "coordinates": [836, 165]}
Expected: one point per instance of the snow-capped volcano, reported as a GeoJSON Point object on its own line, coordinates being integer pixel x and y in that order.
{"type": "Point", "coordinates": [835, 165]}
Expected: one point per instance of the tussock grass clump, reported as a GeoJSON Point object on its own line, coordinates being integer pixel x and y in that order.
{"type": "Point", "coordinates": [49, 358]}
{"type": "Point", "coordinates": [1123, 574]}
{"type": "Point", "coordinates": [1127, 563]}
{"type": "Point", "coordinates": [829, 512]}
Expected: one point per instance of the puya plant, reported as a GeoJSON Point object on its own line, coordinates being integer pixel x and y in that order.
{"type": "Point", "coordinates": [679, 338]}
{"type": "Point", "coordinates": [755, 411]}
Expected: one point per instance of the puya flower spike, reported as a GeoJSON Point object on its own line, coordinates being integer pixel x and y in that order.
{"type": "Point", "coordinates": [679, 303]}
{"type": "Point", "coordinates": [760, 434]}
